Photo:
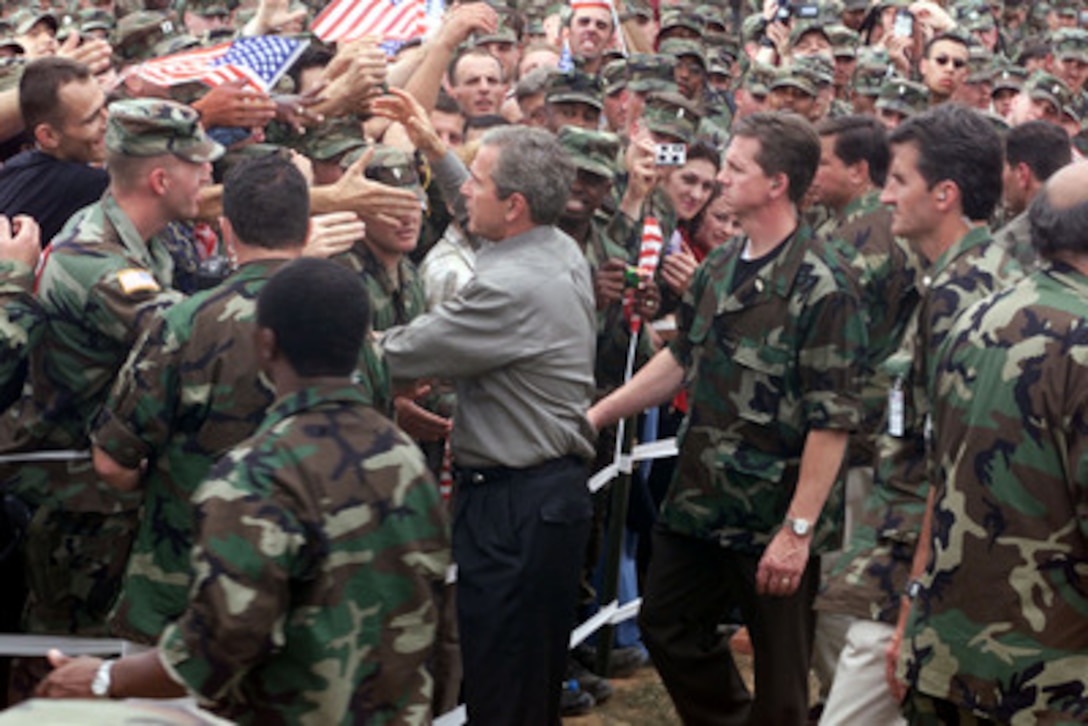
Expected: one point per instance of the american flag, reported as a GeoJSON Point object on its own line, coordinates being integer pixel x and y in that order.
{"type": "Point", "coordinates": [260, 60]}
{"type": "Point", "coordinates": [343, 20]}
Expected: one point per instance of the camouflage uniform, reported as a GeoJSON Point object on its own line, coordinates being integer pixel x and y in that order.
{"type": "Point", "coordinates": [100, 286]}
{"type": "Point", "coordinates": [189, 392]}
{"type": "Point", "coordinates": [1015, 237]}
{"type": "Point", "coordinates": [871, 575]}
{"type": "Point", "coordinates": [1011, 459]}
{"type": "Point", "coordinates": [772, 353]}
{"type": "Point", "coordinates": [322, 543]}
{"type": "Point", "coordinates": [767, 363]}
{"type": "Point", "coordinates": [21, 319]}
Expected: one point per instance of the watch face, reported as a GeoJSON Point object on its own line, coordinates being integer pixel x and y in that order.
{"type": "Point", "coordinates": [800, 527]}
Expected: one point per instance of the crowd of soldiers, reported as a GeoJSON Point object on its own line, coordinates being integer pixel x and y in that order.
{"type": "Point", "coordinates": [866, 330]}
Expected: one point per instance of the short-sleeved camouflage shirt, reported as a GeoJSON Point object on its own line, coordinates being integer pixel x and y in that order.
{"type": "Point", "coordinates": [322, 543]}
{"type": "Point", "coordinates": [765, 363]}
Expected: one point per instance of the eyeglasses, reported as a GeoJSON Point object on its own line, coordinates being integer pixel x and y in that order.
{"type": "Point", "coordinates": [957, 63]}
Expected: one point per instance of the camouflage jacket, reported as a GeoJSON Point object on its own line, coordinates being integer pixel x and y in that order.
{"type": "Point", "coordinates": [321, 544]}
{"type": "Point", "coordinates": [100, 286]}
{"type": "Point", "coordinates": [392, 302]}
{"type": "Point", "coordinates": [999, 626]}
{"type": "Point", "coordinates": [765, 364]}
{"type": "Point", "coordinates": [190, 391]}
{"type": "Point", "coordinates": [886, 271]}
{"type": "Point", "coordinates": [1016, 238]}
{"type": "Point", "coordinates": [21, 322]}
{"type": "Point", "coordinates": [870, 576]}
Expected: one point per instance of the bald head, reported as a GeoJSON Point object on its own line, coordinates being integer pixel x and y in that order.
{"type": "Point", "coordinates": [1059, 215]}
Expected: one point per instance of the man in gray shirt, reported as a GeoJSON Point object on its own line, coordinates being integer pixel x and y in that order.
{"type": "Point", "coordinates": [519, 343]}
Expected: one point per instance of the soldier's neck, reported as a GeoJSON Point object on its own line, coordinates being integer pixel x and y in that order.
{"type": "Point", "coordinates": [768, 227]}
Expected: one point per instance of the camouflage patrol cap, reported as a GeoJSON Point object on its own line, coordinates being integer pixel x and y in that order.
{"type": "Point", "coordinates": [648, 72]}
{"type": "Point", "coordinates": [794, 77]}
{"type": "Point", "coordinates": [593, 151]}
{"type": "Point", "coordinates": [903, 96]}
{"type": "Point", "coordinates": [818, 67]}
{"type": "Point", "coordinates": [871, 72]}
{"type": "Point", "coordinates": [91, 19]}
{"type": "Point", "coordinates": [844, 41]}
{"type": "Point", "coordinates": [1042, 86]}
{"type": "Point", "coordinates": [24, 20]}
{"type": "Point", "coordinates": [574, 86]}
{"type": "Point", "coordinates": [137, 34]}
{"type": "Point", "coordinates": [683, 47]}
{"type": "Point", "coordinates": [331, 138]}
{"type": "Point", "coordinates": [208, 8]}
{"type": "Point", "coordinates": [980, 65]}
{"type": "Point", "coordinates": [1065, 7]}
{"type": "Point", "coordinates": [973, 15]}
{"type": "Point", "coordinates": [8, 42]}
{"type": "Point", "coordinates": [614, 76]}
{"type": "Point", "coordinates": [673, 18]}
{"type": "Point", "coordinates": [804, 27]}
{"type": "Point", "coordinates": [11, 71]}
{"type": "Point", "coordinates": [1071, 43]}
{"type": "Point", "coordinates": [670, 114]}
{"type": "Point", "coordinates": [389, 166]}
{"type": "Point", "coordinates": [758, 78]}
{"type": "Point", "coordinates": [175, 44]}
{"type": "Point", "coordinates": [151, 127]}
{"type": "Point", "coordinates": [752, 27]}
{"type": "Point", "coordinates": [1009, 78]}
{"type": "Point", "coordinates": [711, 15]}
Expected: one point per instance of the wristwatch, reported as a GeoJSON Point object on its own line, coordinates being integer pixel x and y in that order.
{"type": "Point", "coordinates": [800, 527]}
{"type": "Point", "coordinates": [100, 686]}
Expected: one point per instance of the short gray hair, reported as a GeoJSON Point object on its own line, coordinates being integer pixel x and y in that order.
{"type": "Point", "coordinates": [1054, 231]}
{"type": "Point", "coordinates": [532, 163]}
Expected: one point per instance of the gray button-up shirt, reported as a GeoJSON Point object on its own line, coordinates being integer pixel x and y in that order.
{"type": "Point", "coordinates": [519, 342]}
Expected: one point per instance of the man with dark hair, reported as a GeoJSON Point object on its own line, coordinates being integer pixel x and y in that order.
{"type": "Point", "coordinates": [996, 627]}
{"type": "Point", "coordinates": [64, 110]}
{"type": "Point", "coordinates": [944, 66]}
{"type": "Point", "coordinates": [476, 82]}
{"type": "Point", "coordinates": [320, 540]}
{"type": "Point", "coordinates": [1033, 152]}
{"type": "Point", "coordinates": [771, 342]}
{"type": "Point", "coordinates": [518, 342]}
{"type": "Point", "coordinates": [171, 414]}
{"type": "Point", "coordinates": [104, 278]}
{"type": "Point", "coordinates": [943, 184]}
{"type": "Point", "coordinates": [853, 166]}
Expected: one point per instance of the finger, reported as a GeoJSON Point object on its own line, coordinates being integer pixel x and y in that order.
{"type": "Point", "coordinates": [359, 165]}
{"type": "Point", "coordinates": [56, 658]}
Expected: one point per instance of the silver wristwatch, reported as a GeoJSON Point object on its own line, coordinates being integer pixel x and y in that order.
{"type": "Point", "coordinates": [800, 527]}
{"type": "Point", "coordinates": [100, 686]}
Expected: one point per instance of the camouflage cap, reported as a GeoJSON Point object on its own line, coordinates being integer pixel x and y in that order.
{"type": "Point", "coordinates": [8, 42]}
{"type": "Point", "coordinates": [175, 44]}
{"type": "Point", "coordinates": [614, 77]}
{"type": "Point", "coordinates": [648, 72]}
{"type": "Point", "coordinates": [96, 19]}
{"type": "Point", "coordinates": [389, 166]}
{"type": "Point", "coordinates": [680, 18]}
{"type": "Point", "coordinates": [11, 71]}
{"type": "Point", "coordinates": [711, 15]}
{"type": "Point", "coordinates": [819, 67]}
{"type": "Point", "coordinates": [1009, 78]}
{"type": "Point", "coordinates": [208, 8]}
{"type": "Point", "coordinates": [504, 33]}
{"type": "Point", "coordinates": [794, 77]}
{"type": "Point", "coordinates": [25, 19]}
{"type": "Point", "coordinates": [670, 114]}
{"type": "Point", "coordinates": [331, 138]}
{"type": "Point", "coordinates": [758, 78]}
{"type": "Point", "coordinates": [151, 127]}
{"type": "Point", "coordinates": [574, 86]}
{"type": "Point", "coordinates": [594, 151]}
{"type": "Point", "coordinates": [1042, 86]}
{"type": "Point", "coordinates": [844, 41]}
{"type": "Point", "coordinates": [1000, 123]}
{"type": "Point", "coordinates": [973, 15]}
{"type": "Point", "coordinates": [683, 47]}
{"type": "Point", "coordinates": [903, 96]}
{"type": "Point", "coordinates": [1071, 43]}
{"type": "Point", "coordinates": [137, 34]}
{"type": "Point", "coordinates": [1065, 7]}
{"type": "Point", "coordinates": [752, 27]}
{"type": "Point", "coordinates": [850, 5]}
{"type": "Point", "coordinates": [980, 65]}
{"type": "Point", "coordinates": [804, 27]}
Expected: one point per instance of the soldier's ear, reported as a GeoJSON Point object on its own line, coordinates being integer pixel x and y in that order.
{"type": "Point", "coordinates": [46, 136]}
{"type": "Point", "coordinates": [264, 339]}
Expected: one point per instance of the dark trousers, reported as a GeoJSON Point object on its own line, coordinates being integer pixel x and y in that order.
{"type": "Point", "coordinates": [519, 536]}
{"type": "Point", "coordinates": [690, 587]}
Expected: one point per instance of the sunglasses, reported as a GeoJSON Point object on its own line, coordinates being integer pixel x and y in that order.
{"type": "Point", "coordinates": [943, 60]}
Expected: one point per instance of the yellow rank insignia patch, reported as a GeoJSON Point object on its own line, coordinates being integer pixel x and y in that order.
{"type": "Point", "coordinates": [134, 280]}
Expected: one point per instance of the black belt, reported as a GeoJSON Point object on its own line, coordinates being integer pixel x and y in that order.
{"type": "Point", "coordinates": [476, 476]}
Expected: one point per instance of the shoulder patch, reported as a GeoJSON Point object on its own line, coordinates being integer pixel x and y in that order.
{"type": "Point", "coordinates": [135, 280]}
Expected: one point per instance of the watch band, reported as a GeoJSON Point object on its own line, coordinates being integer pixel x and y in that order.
{"type": "Point", "coordinates": [100, 686]}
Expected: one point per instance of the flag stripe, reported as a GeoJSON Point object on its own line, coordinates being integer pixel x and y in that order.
{"type": "Point", "coordinates": [385, 19]}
